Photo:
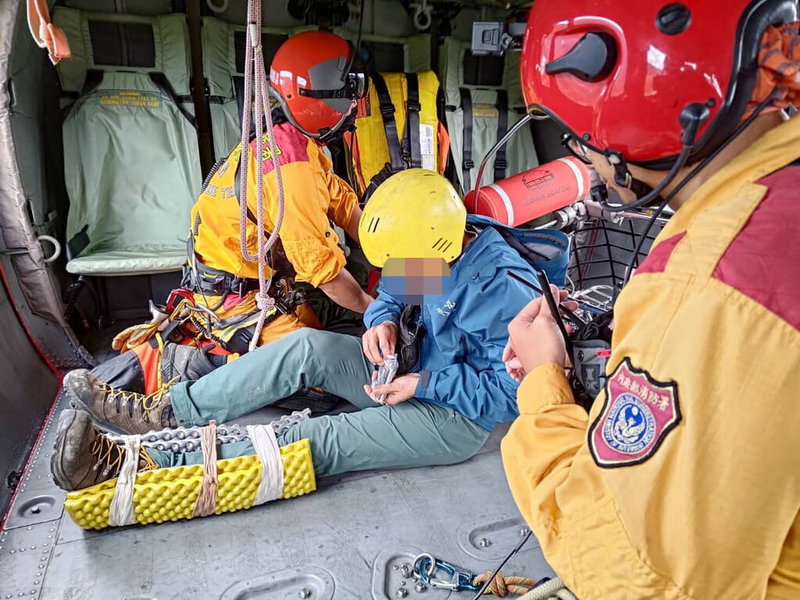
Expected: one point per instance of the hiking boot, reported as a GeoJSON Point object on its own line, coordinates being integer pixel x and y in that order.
{"type": "Point", "coordinates": [83, 456]}
{"type": "Point", "coordinates": [119, 410]}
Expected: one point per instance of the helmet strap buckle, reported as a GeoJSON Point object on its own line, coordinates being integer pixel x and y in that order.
{"type": "Point", "coordinates": [622, 176]}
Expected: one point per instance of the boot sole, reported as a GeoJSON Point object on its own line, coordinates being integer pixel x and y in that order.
{"type": "Point", "coordinates": [56, 468]}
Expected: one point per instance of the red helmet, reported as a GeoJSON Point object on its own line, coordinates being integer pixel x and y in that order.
{"type": "Point", "coordinates": [621, 76]}
{"type": "Point", "coordinates": [310, 76]}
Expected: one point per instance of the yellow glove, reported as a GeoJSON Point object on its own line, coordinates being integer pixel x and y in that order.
{"type": "Point", "coordinates": [133, 336]}
{"type": "Point", "coordinates": [138, 334]}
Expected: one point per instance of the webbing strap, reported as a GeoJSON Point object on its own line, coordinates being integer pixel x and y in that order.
{"type": "Point", "coordinates": [238, 88]}
{"type": "Point", "coordinates": [466, 162]}
{"type": "Point", "coordinates": [92, 80]}
{"type": "Point", "coordinates": [500, 164]}
{"type": "Point", "coordinates": [412, 120]}
{"type": "Point", "coordinates": [160, 81]}
{"type": "Point", "coordinates": [207, 498]}
{"type": "Point", "coordinates": [389, 125]}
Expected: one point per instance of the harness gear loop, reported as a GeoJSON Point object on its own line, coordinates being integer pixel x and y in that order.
{"type": "Point", "coordinates": [255, 74]}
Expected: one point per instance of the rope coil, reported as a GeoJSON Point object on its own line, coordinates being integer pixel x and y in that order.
{"type": "Point", "coordinates": [503, 586]}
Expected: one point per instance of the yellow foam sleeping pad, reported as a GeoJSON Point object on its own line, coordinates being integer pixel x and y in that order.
{"type": "Point", "coordinates": [170, 494]}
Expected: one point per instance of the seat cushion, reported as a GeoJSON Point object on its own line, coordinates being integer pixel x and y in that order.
{"type": "Point", "coordinates": [129, 262]}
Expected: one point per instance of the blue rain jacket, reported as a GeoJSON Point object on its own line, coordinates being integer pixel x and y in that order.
{"type": "Point", "coordinates": [467, 325]}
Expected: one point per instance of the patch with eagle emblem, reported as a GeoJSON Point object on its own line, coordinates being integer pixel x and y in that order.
{"type": "Point", "coordinates": [637, 415]}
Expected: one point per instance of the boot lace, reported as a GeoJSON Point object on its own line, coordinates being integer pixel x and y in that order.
{"type": "Point", "coordinates": [148, 402]}
{"type": "Point", "coordinates": [108, 459]}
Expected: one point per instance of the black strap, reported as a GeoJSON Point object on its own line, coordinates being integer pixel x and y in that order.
{"type": "Point", "coordinates": [237, 186]}
{"type": "Point", "coordinates": [466, 163]}
{"type": "Point", "coordinates": [376, 180]}
{"type": "Point", "coordinates": [238, 88]}
{"type": "Point", "coordinates": [389, 125]}
{"type": "Point", "coordinates": [160, 81]}
{"type": "Point", "coordinates": [500, 164]}
{"type": "Point", "coordinates": [412, 121]}
{"type": "Point", "coordinates": [93, 79]}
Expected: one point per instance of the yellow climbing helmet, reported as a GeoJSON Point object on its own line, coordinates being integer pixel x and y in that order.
{"type": "Point", "coordinates": [413, 214]}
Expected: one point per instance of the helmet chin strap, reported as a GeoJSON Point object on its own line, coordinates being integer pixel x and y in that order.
{"type": "Point", "coordinates": [691, 119]}
{"type": "Point", "coordinates": [697, 169]}
{"type": "Point", "coordinates": [329, 135]}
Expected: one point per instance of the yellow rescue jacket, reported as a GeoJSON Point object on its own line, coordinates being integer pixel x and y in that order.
{"type": "Point", "coordinates": [386, 109]}
{"type": "Point", "coordinates": [313, 197]}
{"type": "Point", "coordinates": [683, 481]}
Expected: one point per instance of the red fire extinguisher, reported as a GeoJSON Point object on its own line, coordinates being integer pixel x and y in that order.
{"type": "Point", "coordinates": [533, 193]}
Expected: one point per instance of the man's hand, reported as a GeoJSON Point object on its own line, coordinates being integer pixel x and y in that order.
{"type": "Point", "coordinates": [534, 338]}
{"type": "Point", "coordinates": [399, 390]}
{"type": "Point", "coordinates": [379, 341]}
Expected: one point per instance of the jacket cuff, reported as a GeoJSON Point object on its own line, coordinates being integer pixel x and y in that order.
{"type": "Point", "coordinates": [546, 384]}
{"type": "Point", "coordinates": [386, 317]}
{"type": "Point", "coordinates": [426, 387]}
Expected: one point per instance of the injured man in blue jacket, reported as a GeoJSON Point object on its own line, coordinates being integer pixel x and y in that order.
{"type": "Point", "coordinates": [449, 340]}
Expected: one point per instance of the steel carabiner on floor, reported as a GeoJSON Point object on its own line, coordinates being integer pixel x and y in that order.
{"type": "Point", "coordinates": [426, 567]}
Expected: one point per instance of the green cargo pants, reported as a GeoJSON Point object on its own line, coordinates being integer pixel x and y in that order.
{"type": "Point", "coordinates": [411, 434]}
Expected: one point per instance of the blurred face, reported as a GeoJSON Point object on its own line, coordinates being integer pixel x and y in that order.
{"type": "Point", "coordinates": [606, 172]}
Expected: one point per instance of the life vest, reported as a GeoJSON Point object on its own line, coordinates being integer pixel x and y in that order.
{"type": "Point", "coordinates": [397, 128]}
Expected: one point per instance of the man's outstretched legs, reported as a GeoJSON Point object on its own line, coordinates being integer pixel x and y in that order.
{"type": "Point", "coordinates": [411, 434]}
{"type": "Point", "coordinates": [305, 358]}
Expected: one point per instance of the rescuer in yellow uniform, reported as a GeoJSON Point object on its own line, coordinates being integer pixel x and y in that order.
{"type": "Point", "coordinates": [213, 316]}
{"type": "Point", "coordinates": [683, 480]}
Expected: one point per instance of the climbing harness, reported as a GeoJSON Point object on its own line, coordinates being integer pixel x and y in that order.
{"type": "Point", "coordinates": [255, 74]}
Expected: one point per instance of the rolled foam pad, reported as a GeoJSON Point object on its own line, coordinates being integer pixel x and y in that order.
{"type": "Point", "coordinates": [170, 494]}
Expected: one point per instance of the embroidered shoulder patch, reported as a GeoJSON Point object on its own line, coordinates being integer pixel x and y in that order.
{"type": "Point", "coordinates": [290, 145]}
{"type": "Point", "coordinates": [637, 415]}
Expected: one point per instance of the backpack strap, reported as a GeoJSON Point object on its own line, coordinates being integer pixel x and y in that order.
{"type": "Point", "coordinates": [389, 124]}
{"type": "Point", "coordinates": [500, 163]}
{"type": "Point", "coordinates": [466, 162]}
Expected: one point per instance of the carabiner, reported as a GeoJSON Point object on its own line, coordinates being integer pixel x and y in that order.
{"type": "Point", "coordinates": [426, 565]}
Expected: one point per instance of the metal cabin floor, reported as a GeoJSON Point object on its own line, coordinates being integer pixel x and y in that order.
{"type": "Point", "coordinates": [349, 539]}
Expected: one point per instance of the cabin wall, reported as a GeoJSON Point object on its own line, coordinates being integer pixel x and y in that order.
{"type": "Point", "coordinates": [27, 391]}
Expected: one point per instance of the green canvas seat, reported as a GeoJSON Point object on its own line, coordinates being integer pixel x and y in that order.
{"type": "Point", "coordinates": [223, 70]}
{"type": "Point", "coordinates": [489, 87]}
{"type": "Point", "coordinates": [131, 159]}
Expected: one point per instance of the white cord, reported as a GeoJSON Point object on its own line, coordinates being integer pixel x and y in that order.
{"type": "Point", "coordinates": [269, 453]}
{"type": "Point", "coordinates": [121, 510]}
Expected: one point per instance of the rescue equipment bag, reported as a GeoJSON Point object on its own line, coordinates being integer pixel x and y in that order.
{"type": "Point", "coordinates": [397, 128]}
{"type": "Point", "coordinates": [533, 193]}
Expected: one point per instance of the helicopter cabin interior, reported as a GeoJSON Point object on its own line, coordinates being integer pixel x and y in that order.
{"type": "Point", "coordinates": [102, 157]}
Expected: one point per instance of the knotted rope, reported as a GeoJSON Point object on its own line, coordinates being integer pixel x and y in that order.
{"type": "Point", "coordinates": [255, 75]}
{"type": "Point", "coordinates": [503, 586]}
